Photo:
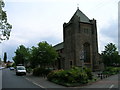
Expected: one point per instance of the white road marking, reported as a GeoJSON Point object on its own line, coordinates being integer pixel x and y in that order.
{"type": "Point", "coordinates": [34, 83]}
{"type": "Point", "coordinates": [38, 85]}
{"type": "Point", "coordinates": [111, 86]}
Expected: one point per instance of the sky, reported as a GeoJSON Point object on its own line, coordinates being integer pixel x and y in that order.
{"type": "Point", "coordinates": [34, 21]}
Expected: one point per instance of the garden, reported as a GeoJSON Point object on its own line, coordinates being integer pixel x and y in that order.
{"type": "Point", "coordinates": [73, 77]}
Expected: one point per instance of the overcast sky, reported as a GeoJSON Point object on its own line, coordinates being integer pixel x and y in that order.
{"type": "Point", "coordinates": [34, 21]}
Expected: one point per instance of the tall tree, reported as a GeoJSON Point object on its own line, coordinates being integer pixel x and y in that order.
{"type": "Point", "coordinates": [43, 55]}
{"type": "Point", "coordinates": [5, 27]}
{"type": "Point", "coordinates": [0, 61]}
{"type": "Point", "coordinates": [110, 55]}
{"type": "Point", "coordinates": [21, 55]}
{"type": "Point", "coordinates": [5, 57]}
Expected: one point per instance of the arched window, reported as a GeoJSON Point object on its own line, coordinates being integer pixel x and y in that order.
{"type": "Point", "coordinates": [86, 52]}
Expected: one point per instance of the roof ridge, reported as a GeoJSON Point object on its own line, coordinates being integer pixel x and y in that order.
{"type": "Point", "coordinates": [82, 13]}
{"type": "Point", "coordinates": [83, 17]}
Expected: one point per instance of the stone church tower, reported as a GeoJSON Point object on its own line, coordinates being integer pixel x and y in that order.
{"type": "Point", "coordinates": [80, 42]}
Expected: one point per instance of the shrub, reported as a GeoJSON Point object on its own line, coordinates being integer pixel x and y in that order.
{"type": "Point", "coordinates": [89, 72]}
{"type": "Point", "coordinates": [9, 65]}
{"type": "Point", "coordinates": [111, 70]}
{"type": "Point", "coordinates": [79, 75]}
{"type": "Point", "coordinates": [54, 75]}
{"type": "Point", "coordinates": [41, 72]}
{"type": "Point", "coordinates": [29, 69]}
{"type": "Point", "coordinates": [66, 77]}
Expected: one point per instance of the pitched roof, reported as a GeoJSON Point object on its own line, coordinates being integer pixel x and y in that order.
{"type": "Point", "coordinates": [59, 46]}
{"type": "Point", "coordinates": [83, 17]}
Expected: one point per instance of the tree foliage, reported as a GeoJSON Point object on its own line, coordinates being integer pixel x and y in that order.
{"type": "Point", "coordinates": [110, 55]}
{"type": "Point", "coordinates": [5, 27]}
{"type": "Point", "coordinates": [21, 55]}
{"type": "Point", "coordinates": [43, 55]}
{"type": "Point", "coordinates": [5, 57]}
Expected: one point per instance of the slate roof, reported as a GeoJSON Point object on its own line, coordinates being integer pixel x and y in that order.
{"type": "Point", "coordinates": [59, 46]}
{"type": "Point", "coordinates": [83, 17]}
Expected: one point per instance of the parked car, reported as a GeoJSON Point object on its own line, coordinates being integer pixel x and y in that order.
{"type": "Point", "coordinates": [11, 68]}
{"type": "Point", "coordinates": [20, 70]}
{"type": "Point", "coordinates": [2, 68]}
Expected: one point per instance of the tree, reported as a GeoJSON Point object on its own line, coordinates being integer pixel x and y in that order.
{"type": "Point", "coordinates": [21, 55]}
{"type": "Point", "coordinates": [5, 27]}
{"type": "Point", "coordinates": [33, 57]}
{"type": "Point", "coordinates": [5, 57]}
{"type": "Point", "coordinates": [110, 55]}
{"type": "Point", "coordinates": [43, 55]}
{"type": "Point", "coordinates": [0, 61]}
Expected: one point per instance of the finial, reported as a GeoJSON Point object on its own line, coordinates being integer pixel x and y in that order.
{"type": "Point", "coordinates": [77, 6]}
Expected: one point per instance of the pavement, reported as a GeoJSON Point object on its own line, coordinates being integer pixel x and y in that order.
{"type": "Point", "coordinates": [42, 82]}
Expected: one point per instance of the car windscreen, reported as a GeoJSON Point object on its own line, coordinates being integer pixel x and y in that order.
{"type": "Point", "coordinates": [20, 68]}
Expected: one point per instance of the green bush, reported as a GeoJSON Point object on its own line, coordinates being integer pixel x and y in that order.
{"type": "Point", "coordinates": [29, 69]}
{"type": "Point", "coordinates": [55, 76]}
{"type": "Point", "coordinates": [41, 72]}
{"type": "Point", "coordinates": [13, 65]}
{"type": "Point", "coordinates": [66, 77]}
{"type": "Point", "coordinates": [111, 70]}
{"type": "Point", "coordinates": [9, 65]}
{"type": "Point", "coordinates": [89, 73]}
{"type": "Point", "coordinates": [79, 75]}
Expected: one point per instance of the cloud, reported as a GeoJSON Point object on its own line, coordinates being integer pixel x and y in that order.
{"type": "Point", "coordinates": [42, 20]}
{"type": "Point", "coordinates": [108, 34]}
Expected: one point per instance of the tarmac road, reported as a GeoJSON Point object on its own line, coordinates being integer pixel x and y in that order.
{"type": "Point", "coordinates": [10, 80]}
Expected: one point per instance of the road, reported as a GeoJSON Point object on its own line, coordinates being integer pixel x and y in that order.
{"type": "Point", "coordinates": [10, 80]}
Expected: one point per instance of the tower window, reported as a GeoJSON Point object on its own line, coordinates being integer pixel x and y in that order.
{"type": "Point", "coordinates": [86, 30]}
{"type": "Point", "coordinates": [71, 63]}
{"type": "Point", "coordinates": [87, 52]}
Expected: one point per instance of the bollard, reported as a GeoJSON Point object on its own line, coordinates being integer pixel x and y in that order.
{"type": "Point", "coordinates": [98, 75]}
{"type": "Point", "coordinates": [101, 76]}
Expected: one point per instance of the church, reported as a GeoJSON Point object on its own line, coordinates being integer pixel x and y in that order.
{"type": "Point", "coordinates": [80, 43]}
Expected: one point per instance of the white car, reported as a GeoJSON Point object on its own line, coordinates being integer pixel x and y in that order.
{"type": "Point", "coordinates": [2, 68]}
{"type": "Point", "coordinates": [20, 70]}
{"type": "Point", "coordinates": [11, 68]}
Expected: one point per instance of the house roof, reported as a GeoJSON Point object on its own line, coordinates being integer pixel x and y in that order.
{"type": "Point", "coordinates": [59, 46]}
{"type": "Point", "coordinates": [83, 17]}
